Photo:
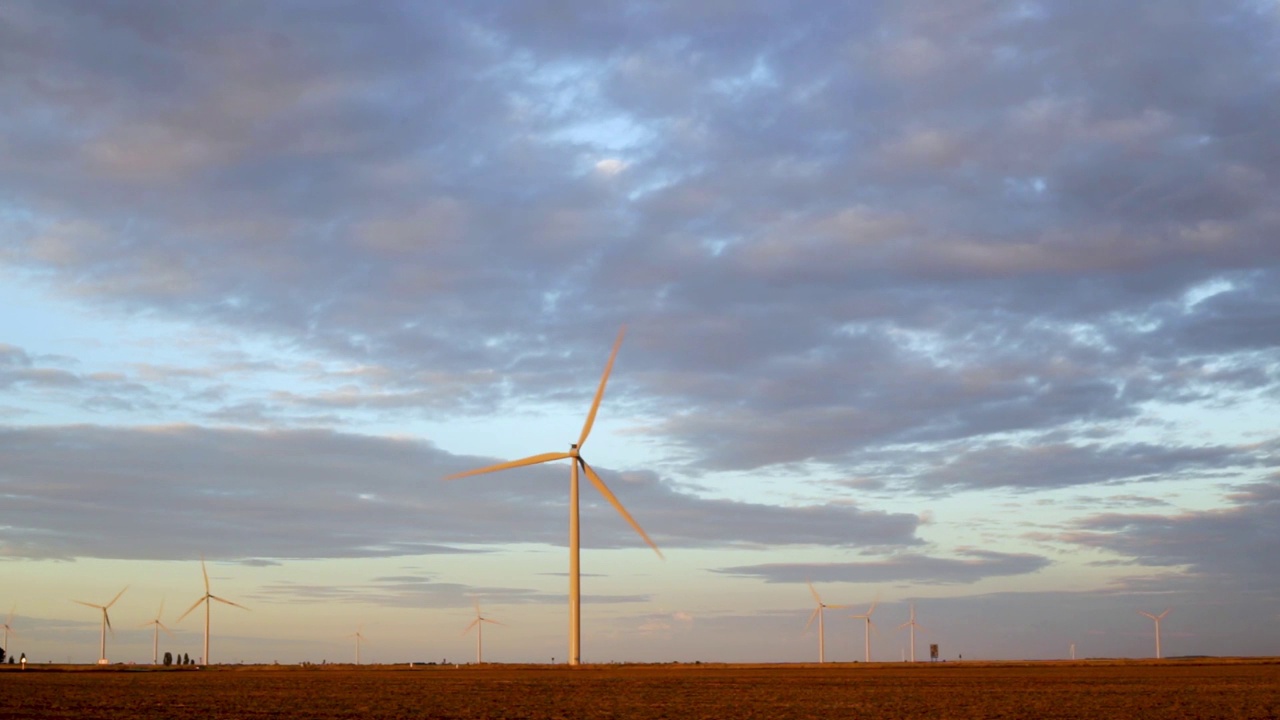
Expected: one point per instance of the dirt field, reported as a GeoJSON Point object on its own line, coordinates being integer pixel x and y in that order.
{"type": "Point", "coordinates": [1165, 690]}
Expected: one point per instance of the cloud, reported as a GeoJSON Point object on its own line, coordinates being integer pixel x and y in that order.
{"type": "Point", "coordinates": [971, 566]}
{"type": "Point", "coordinates": [176, 492]}
{"type": "Point", "coordinates": [1231, 546]}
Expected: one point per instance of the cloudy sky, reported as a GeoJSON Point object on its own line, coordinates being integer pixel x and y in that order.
{"type": "Point", "coordinates": [974, 305]}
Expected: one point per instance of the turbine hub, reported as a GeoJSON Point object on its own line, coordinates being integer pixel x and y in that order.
{"type": "Point", "coordinates": [573, 449]}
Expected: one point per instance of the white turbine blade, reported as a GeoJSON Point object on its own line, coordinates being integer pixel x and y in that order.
{"type": "Point", "coordinates": [812, 616]}
{"type": "Point", "coordinates": [604, 379]}
{"type": "Point", "coordinates": [873, 607]}
{"type": "Point", "coordinates": [224, 601]}
{"type": "Point", "coordinates": [160, 612]}
{"type": "Point", "coordinates": [473, 624]}
{"type": "Point", "coordinates": [836, 607]}
{"type": "Point", "coordinates": [531, 460]}
{"type": "Point", "coordinates": [106, 618]}
{"type": "Point", "coordinates": [9, 620]}
{"type": "Point", "coordinates": [81, 602]}
{"type": "Point", "coordinates": [1143, 612]}
{"type": "Point", "coordinates": [204, 570]}
{"type": "Point", "coordinates": [193, 607]}
{"type": "Point", "coordinates": [165, 629]}
{"type": "Point", "coordinates": [493, 622]}
{"type": "Point", "coordinates": [617, 505]}
{"type": "Point", "coordinates": [117, 597]}
{"type": "Point", "coordinates": [1161, 615]}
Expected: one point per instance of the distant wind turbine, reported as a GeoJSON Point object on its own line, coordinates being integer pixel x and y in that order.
{"type": "Point", "coordinates": [575, 461]}
{"type": "Point", "coordinates": [1157, 619]}
{"type": "Point", "coordinates": [818, 613]}
{"type": "Point", "coordinates": [359, 636]}
{"type": "Point", "coordinates": [911, 624]}
{"type": "Point", "coordinates": [106, 624]}
{"type": "Point", "coordinates": [478, 624]}
{"type": "Point", "coordinates": [155, 640]}
{"type": "Point", "coordinates": [867, 627]}
{"type": "Point", "coordinates": [205, 599]}
{"type": "Point", "coordinates": [8, 628]}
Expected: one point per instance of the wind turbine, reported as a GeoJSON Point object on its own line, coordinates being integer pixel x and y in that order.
{"type": "Point", "coordinates": [8, 628]}
{"type": "Point", "coordinates": [359, 636]}
{"type": "Point", "coordinates": [867, 627]}
{"type": "Point", "coordinates": [817, 612]}
{"type": "Point", "coordinates": [106, 624]}
{"type": "Point", "coordinates": [911, 624]}
{"type": "Point", "coordinates": [478, 624]}
{"type": "Point", "coordinates": [155, 640]}
{"type": "Point", "coordinates": [575, 460]}
{"type": "Point", "coordinates": [1157, 619]}
{"type": "Point", "coordinates": [205, 599]}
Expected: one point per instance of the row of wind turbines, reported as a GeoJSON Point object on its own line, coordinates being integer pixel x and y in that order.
{"type": "Point", "coordinates": [577, 464]}
{"type": "Point", "coordinates": [156, 624]}
{"type": "Point", "coordinates": [868, 627]}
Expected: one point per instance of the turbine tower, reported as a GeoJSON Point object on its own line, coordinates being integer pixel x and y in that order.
{"type": "Point", "coordinates": [205, 599]}
{"type": "Point", "coordinates": [867, 627]}
{"type": "Point", "coordinates": [575, 461]}
{"type": "Point", "coordinates": [817, 613]}
{"type": "Point", "coordinates": [478, 624]}
{"type": "Point", "coordinates": [911, 624]}
{"type": "Point", "coordinates": [155, 640]}
{"type": "Point", "coordinates": [1157, 619]}
{"type": "Point", "coordinates": [106, 624]}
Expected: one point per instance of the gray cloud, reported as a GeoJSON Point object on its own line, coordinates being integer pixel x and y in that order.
{"type": "Point", "coordinates": [179, 491]}
{"type": "Point", "coordinates": [1233, 546]}
{"type": "Point", "coordinates": [971, 566]}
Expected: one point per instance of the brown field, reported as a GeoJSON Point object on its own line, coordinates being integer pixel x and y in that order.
{"type": "Point", "coordinates": [1089, 689]}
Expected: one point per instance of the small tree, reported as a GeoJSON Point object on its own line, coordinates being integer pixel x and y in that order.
{"type": "Point", "coordinates": [2, 655]}
{"type": "Point", "coordinates": [168, 659]}
{"type": "Point", "coordinates": [186, 659]}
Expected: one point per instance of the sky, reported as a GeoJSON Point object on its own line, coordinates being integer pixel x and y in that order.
{"type": "Point", "coordinates": [972, 305]}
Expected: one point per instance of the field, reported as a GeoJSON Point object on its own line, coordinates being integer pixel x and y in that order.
{"type": "Point", "coordinates": [1087, 689]}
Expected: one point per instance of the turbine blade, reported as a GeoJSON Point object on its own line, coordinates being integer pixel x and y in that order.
{"type": "Point", "coordinates": [193, 607]}
{"type": "Point", "coordinates": [873, 606]}
{"type": "Point", "coordinates": [836, 607]}
{"type": "Point", "coordinates": [224, 601]}
{"type": "Point", "coordinates": [473, 624]}
{"type": "Point", "coordinates": [117, 597]}
{"type": "Point", "coordinates": [1143, 612]}
{"type": "Point", "coordinates": [204, 570]}
{"type": "Point", "coordinates": [1166, 612]}
{"type": "Point", "coordinates": [812, 615]}
{"type": "Point", "coordinates": [531, 460]}
{"type": "Point", "coordinates": [107, 619]}
{"type": "Point", "coordinates": [617, 505]}
{"type": "Point", "coordinates": [816, 598]}
{"type": "Point", "coordinates": [165, 629]}
{"type": "Point", "coordinates": [604, 379]}
{"type": "Point", "coordinates": [494, 622]}
{"type": "Point", "coordinates": [81, 602]}
{"type": "Point", "coordinates": [160, 612]}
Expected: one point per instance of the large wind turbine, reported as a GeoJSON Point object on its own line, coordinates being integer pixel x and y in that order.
{"type": "Point", "coordinates": [911, 624]}
{"type": "Point", "coordinates": [1157, 619]}
{"type": "Point", "coordinates": [478, 624]}
{"type": "Point", "coordinates": [868, 625]}
{"type": "Point", "coordinates": [106, 624]}
{"type": "Point", "coordinates": [205, 599]}
{"type": "Point", "coordinates": [817, 613]}
{"type": "Point", "coordinates": [155, 640]}
{"type": "Point", "coordinates": [575, 461]}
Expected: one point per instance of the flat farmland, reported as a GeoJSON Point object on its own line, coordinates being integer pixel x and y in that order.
{"type": "Point", "coordinates": [1088, 689]}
